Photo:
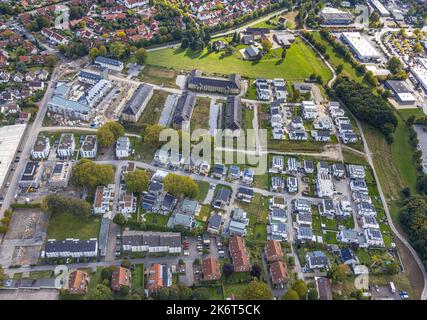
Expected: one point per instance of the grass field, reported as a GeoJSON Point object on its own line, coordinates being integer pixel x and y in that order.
{"type": "Point", "coordinates": [290, 146]}
{"type": "Point", "coordinates": [200, 116]}
{"type": "Point", "coordinates": [300, 63]}
{"type": "Point", "coordinates": [155, 218]}
{"type": "Point", "coordinates": [203, 190]}
{"type": "Point", "coordinates": [393, 163]}
{"type": "Point", "coordinates": [353, 157]}
{"type": "Point", "coordinates": [151, 114]}
{"type": "Point", "coordinates": [336, 59]}
{"type": "Point", "coordinates": [159, 75]}
{"type": "Point", "coordinates": [62, 226]}
{"type": "Point", "coordinates": [406, 113]}
{"type": "Point", "coordinates": [138, 276]}
{"type": "Point", "coordinates": [247, 116]}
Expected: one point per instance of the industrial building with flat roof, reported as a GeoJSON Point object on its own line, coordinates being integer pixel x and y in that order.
{"type": "Point", "coordinates": [361, 47]}
{"type": "Point", "coordinates": [10, 137]}
{"type": "Point", "coordinates": [380, 8]}
{"type": "Point", "coordinates": [333, 16]}
{"type": "Point", "coordinates": [401, 91]}
{"type": "Point", "coordinates": [420, 73]}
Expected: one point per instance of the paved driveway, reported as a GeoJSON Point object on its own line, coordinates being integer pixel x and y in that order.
{"type": "Point", "coordinates": [215, 109]}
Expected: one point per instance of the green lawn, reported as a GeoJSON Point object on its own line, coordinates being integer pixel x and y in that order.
{"type": "Point", "coordinates": [62, 226]}
{"type": "Point", "coordinates": [301, 61]}
{"type": "Point", "coordinates": [406, 113]}
{"type": "Point", "coordinates": [200, 116]}
{"type": "Point", "coordinates": [138, 277]}
{"type": "Point", "coordinates": [152, 111]}
{"type": "Point", "coordinates": [204, 213]}
{"type": "Point", "coordinates": [203, 190]}
{"type": "Point", "coordinates": [336, 59]}
{"type": "Point", "coordinates": [236, 289]}
{"type": "Point", "coordinates": [353, 157]}
{"type": "Point", "coordinates": [159, 76]}
{"type": "Point", "coordinates": [393, 163]}
{"type": "Point", "coordinates": [248, 116]}
{"type": "Point", "coordinates": [155, 218]}
{"type": "Point", "coordinates": [261, 181]}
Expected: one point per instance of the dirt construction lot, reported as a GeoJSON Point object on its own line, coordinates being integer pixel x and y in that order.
{"type": "Point", "coordinates": [26, 294]}
{"type": "Point", "coordinates": [24, 239]}
{"type": "Point", "coordinates": [27, 224]}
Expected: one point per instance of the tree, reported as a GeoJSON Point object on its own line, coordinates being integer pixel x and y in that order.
{"type": "Point", "coordinates": [365, 105]}
{"type": "Point", "coordinates": [100, 292]}
{"type": "Point", "coordinates": [266, 45]}
{"type": "Point", "coordinates": [340, 68]}
{"type": "Point", "coordinates": [117, 49]}
{"type": "Point", "coordinates": [137, 181]}
{"type": "Point", "coordinates": [178, 185]}
{"type": "Point", "coordinates": [150, 135]}
{"type": "Point", "coordinates": [55, 204]}
{"type": "Point", "coordinates": [21, 67]}
{"type": "Point", "coordinates": [109, 133]}
{"type": "Point", "coordinates": [228, 269]}
{"type": "Point", "coordinates": [394, 65]}
{"type": "Point", "coordinates": [406, 192]}
{"type": "Point", "coordinates": [338, 273]}
{"type": "Point", "coordinates": [257, 290]}
{"type": "Point", "coordinates": [107, 273]}
{"type": "Point", "coordinates": [291, 295]}
{"type": "Point", "coordinates": [393, 268]}
{"type": "Point", "coordinates": [313, 295]}
{"type": "Point", "coordinates": [102, 51]}
{"type": "Point", "coordinates": [284, 53]}
{"type": "Point", "coordinates": [119, 219]}
{"type": "Point", "coordinates": [51, 61]}
{"type": "Point", "coordinates": [141, 55]}
{"type": "Point", "coordinates": [1, 276]}
{"type": "Point", "coordinates": [86, 173]}
{"type": "Point", "coordinates": [301, 288]}
{"type": "Point", "coordinates": [123, 291]}
{"type": "Point", "coordinates": [105, 137]}
{"type": "Point", "coordinates": [93, 53]}
{"type": "Point", "coordinates": [256, 271]}
{"type": "Point", "coordinates": [201, 294]}
{"type": "Point", "coordinates": [185, 43]}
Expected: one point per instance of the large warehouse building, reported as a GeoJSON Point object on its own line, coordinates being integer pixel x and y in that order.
{"type": "Point", "coordinates": [10, 138]}
{"type": "Point", "coordinates": [361, 47]}
{"type": "Point", "coordinates": [420, 73]}
{"type": "Point", "coordinates": [380, 8]}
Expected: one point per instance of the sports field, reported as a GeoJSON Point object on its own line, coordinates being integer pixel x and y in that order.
{"type": "Point", "coordinates": [301, 61]}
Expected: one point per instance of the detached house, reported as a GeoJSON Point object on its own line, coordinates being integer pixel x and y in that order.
{"type": "Point", "coordinates": [317, 260]}
{"type": "Point", "coordinates": [121, 277]}
{"type": "Point", "coordinates": [211, 269]}
{"type": "Point", "coordinates": [78, 282]}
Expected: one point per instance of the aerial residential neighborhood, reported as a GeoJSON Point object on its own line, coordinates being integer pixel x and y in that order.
{"type": "Point", "coordinates": [213, 150]}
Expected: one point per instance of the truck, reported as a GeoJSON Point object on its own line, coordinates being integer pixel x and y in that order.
{"type": "Point", "coordinates": [392, 288]}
